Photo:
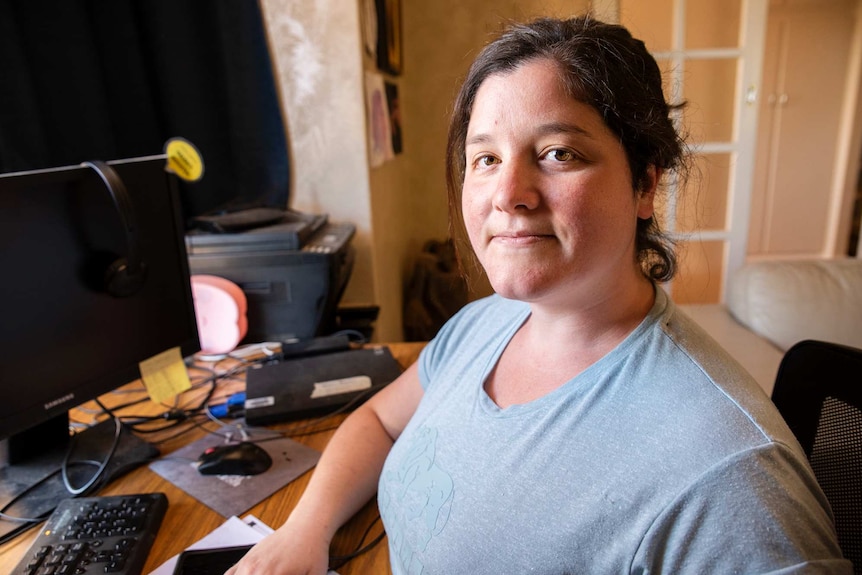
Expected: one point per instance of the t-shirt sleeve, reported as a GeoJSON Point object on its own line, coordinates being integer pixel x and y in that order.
{"type": "Point", "coordinates": [735, 519]}
{"type": "Point", "coordinates": [443, 343]}
{"type": "Point", "coordinates": [471, 328]}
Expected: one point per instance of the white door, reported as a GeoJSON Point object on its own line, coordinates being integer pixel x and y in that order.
{"type": "Point", "coordinates": [711, 54]}
{"type": "Point", "coordinates": [809, 46]}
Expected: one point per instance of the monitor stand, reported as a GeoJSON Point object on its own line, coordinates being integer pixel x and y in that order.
{"type": "Point", "coordinates": [41, 468]}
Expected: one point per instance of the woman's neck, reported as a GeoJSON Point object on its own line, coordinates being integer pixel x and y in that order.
{"type": "Point", "coordinates": [600, 322]}
{"type": "Point", "coordinates": [557, 343]}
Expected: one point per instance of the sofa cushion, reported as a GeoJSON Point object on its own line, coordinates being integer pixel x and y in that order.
{"type": "Point", "coordinates": [789, 301]}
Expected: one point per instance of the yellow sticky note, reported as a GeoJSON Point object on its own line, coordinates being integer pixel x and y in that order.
{"type": "Point", "coordinates": [165, 375]}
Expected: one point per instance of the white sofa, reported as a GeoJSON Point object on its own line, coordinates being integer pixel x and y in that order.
{"type": "Point", "coordinates": [772, 305]}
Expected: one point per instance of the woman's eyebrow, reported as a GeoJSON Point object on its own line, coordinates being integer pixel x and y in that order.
{"type": "Point", "coordinates": [477, 139]}
{"type": "Point", "coordinates": [549, 128]}
{"type": "Point", "coordinates": [563, 128]}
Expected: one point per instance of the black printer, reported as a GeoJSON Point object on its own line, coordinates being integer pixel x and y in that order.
{"type": "Point", "coordinates": [293, 267]}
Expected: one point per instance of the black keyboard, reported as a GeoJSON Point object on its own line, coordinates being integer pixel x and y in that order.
{"type": "Point", "coordinates": [102, 534]}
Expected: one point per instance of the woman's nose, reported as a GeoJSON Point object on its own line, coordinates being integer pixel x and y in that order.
{"type": "Point", "coordinates": [517, 187]}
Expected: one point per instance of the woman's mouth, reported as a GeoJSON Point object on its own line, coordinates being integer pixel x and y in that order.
{"type": "Point", "coordinates": [520, 238]}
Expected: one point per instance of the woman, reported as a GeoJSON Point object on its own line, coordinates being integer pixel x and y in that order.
{"type": "Point", "coordinates": [575, 421]}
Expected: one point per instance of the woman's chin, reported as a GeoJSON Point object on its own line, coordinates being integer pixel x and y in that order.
{"type": "Point", "coordinates": [520, 287]}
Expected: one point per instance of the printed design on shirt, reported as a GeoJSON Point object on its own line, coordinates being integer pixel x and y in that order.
{"type": "Point", "coordinates": [417, 500]}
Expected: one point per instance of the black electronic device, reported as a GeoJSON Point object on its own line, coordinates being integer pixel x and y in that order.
{"type": "Point", "coordinates": [243, 458]}
{"type": "Point", "coordinates": [209, 561]}
{"type": "Point", "coordinates": [316, 385]}
{"type": "Point", "coordinates": [230, 222]}
{"type": "Point", "coordinates": [258, 229]}
{"type": "Point", "coordinates": [292, 273]}
{"type": "Point", "coordinates": [103, 534]}
{"type": "Point", "coordinates": [67, 337]}
{"type": "Point", "coordinates": [315, 346]}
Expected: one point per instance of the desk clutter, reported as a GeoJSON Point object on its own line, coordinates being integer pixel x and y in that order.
{"type": "Point", "coordinates": [312, 383]}
{"type": "Point", "coordinates": [270, 384]}
{"type": "Point", "coordinates": [230, 495]}
{"type": "Point", "coordinates": [292, 267]}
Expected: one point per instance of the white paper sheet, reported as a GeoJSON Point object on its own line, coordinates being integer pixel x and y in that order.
{"type": "Point", "coordinates": [235, 531]}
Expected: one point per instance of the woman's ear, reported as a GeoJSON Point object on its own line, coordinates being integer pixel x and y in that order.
{"type": "Point", "coordinates": [646, 195]}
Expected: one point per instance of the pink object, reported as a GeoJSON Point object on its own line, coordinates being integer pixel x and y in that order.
{"type": "Point", "coordinates": [220, 308]}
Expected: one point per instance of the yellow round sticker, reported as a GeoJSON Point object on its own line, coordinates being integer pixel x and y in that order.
{"type": "Point", "coordinates": [184, 159]}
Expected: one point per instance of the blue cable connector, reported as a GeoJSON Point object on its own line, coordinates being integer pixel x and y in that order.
{"type": "Point", "coordinates": [234, 403]}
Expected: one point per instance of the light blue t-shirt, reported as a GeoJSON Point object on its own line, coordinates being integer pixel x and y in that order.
{"type": "Point", "coordinates": [662, 457]}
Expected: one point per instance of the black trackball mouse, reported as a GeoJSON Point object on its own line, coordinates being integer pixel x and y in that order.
{"type": "Point", "coordinates": [243, 458]}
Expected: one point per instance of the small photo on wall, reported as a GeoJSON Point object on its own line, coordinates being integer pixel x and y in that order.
{"type": "Point", "coordinates": [379, 129]}
{"type": "Point", "coordinates": [369, 26]}
{"type": "Point", "coordinates": [389, 53]}
{"type": "Point", "coordinates": [394, 116]}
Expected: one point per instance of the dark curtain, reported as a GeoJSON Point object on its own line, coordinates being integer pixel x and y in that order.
{"type": "Point", "coordinates": [108, 79]}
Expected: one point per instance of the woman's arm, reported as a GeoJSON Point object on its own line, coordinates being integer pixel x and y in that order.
{"type": "Point", "coordinates": [344, 480]}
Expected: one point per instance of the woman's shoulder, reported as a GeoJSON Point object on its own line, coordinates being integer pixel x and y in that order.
{"type": "Point", "coordinates": [484, 317]}
{"type": "Point", "coordinates": [475, 327]}
{"type": "Point", "coordinates": [721, 377]}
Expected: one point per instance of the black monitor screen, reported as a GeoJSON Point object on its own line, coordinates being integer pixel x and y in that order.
{"type": "Point", "coordinates": [66, 338]}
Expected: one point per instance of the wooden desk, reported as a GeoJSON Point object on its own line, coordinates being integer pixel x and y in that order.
{"type": "Point", "coordinates": [188, 520]}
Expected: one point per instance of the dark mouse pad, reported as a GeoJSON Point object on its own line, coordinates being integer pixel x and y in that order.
{"type": "Point", "coordinates": [234, 494]}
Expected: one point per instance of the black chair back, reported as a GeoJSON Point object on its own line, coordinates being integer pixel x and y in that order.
{"type": "Point", "coordinates": [818, 391]}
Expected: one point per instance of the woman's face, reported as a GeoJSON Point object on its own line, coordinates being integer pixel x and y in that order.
{"type": "Point", "coordinates": [547, 199]}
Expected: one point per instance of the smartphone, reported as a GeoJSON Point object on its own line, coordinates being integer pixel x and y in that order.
{"type": "Point", "coordinates": [209, 561]}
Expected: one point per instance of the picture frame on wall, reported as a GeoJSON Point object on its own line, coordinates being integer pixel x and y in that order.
{"type": "Point", "coordinates": [379, 125]}
{"type": "Point", "coordinates": [394, 107]}
{"type": "Point", "coordinates": [389, 50]}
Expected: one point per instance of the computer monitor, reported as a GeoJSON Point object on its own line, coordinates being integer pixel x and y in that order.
{"type": "Point", "coordinates": [95, 280]}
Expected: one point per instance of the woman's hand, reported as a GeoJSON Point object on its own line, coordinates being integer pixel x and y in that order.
{"type": "Point", "coordinates": [289, 551]}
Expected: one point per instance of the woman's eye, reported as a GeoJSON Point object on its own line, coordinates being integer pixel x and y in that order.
{"type": "Point", "coordinates": [561, 155]}
{"type": "Point", "coordinates": [487, 161]}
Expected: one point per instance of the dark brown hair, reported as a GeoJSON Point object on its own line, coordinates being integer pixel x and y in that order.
{"type": "Point", "coordinates": [603, 66]}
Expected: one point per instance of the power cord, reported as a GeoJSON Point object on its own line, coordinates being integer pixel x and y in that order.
{"type": "Point", "coordinates": [75, 491]}
{"type": "Point", "coordinates": [31, 488]}
{"type": "Point", "coordinates": [338, 561]}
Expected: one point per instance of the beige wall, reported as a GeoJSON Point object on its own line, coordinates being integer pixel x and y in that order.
{"type": "Point", "coordinates": [397, 207]}
{"type": "Point", "coordinates": [315, 48]}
